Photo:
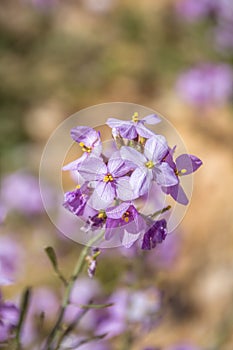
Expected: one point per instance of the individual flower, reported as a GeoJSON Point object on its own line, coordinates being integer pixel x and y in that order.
{"type": "Point", "coordinates": [90, 143]}
{"type": "Point", "coordinates": [75, 201]}
{"type": "Point", "coordinates": [206, 84]}
{"type": "Point", "coordinates": [10, 260]}
{"type": "Point", "coordinates": [20, 192]}
{"type": "Point", "coordinates": [184, 164]}
{"type": "Point", "coordinates": [123, 217]}
{"type": "Point", "coordinates": [9, 317]}
{"type": "Point", "coordinates": [155, 234]}
{"type": "Point", "coordinates": [131, 129]}
{"type": "Point", "coordinates": [108, 180]}
{"type": "Point", "coordinates": [150, 165]}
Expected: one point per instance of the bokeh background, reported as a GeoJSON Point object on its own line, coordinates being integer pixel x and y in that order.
{"type": "Point", "coordinates": [176, 57]}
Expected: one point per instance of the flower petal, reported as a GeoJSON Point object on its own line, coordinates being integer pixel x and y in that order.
{"type": "Point", "coordinates": [164, 175]}
{"type": "Point", "coordinates": [128, 131]}
{"type": "Point", "coordinates": [177, 193]}
{"type": "Point", "coordinates": [84, 134]}
{"type": "Point", "coordinates": [143, 131]}
{"type": "Point", "coordinates": [188, 163]}
{"type": "Point", "coordinates": [124, 189]}
{"type": "Point", "coordinates": [156, 148]}
{"type": "Point", "coordinates": [151, 119]}
{"type": "Point", "coordinates": [118, 211]}
{"type": "Point", "coordinates": [74, 165]}
{"type": "Point", "coordinates": [116, 123]}
{"type": "Point", "coordinates": [102, 196]}
{"type": "Point", "coordinates": [93, 169]}
{"type": "Point", "coordinates": [130, 154]}
{"type": "Point", "coordinates": [117, 166]}
{"type": "Point", "coordinates": [140, 181]}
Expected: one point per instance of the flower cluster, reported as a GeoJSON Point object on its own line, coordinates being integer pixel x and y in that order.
{"type": "Point", "coordinates": [9, 316]}
{"type": "Point", "coordinates": [110, 187]}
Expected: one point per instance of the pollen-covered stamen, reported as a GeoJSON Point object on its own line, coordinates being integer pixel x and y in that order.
{"type": "Point", "coordinates": [135, 117]}
{"type": "Point", "coordinates": [180, 172]}
{"type": "Point", "coordinates": [108, 178]}
{"type": "Point", "coordinates": [125, 216]}
{"type": "Point", "coordinates": [102, 215]}
{"type": "Point", "coordinates": [149, 164]}
{"type": "Point", "coordinates": [85, 148]}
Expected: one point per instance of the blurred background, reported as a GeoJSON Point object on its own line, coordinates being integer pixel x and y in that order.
{"type": "Point", "coordinates": [174, 56]}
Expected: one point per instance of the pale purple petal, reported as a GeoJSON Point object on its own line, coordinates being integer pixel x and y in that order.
{"type": "Point", "coordinates": [117, 123]}
{"type": "Point", "coordinates": [103, 195]}
{"type": "Point", "coordinates": [111, 226]}
{"type": "Point", "coordinates": [117, 166]}
{"type": "Point", "coordinates": [124, 189]}
{"type": "Point", "coordinates": [156, 148]}
{"type": "Point", "coordinates": [188, 163]}
{"type": "Point", "coordinates": [93, 169]}
{"type": "Point", "coordinates": [151, 119]}
{"type": "Point", "coordinates": [140, 181]}
{"type": "Point", "coordinates": [128, 131]}
{"type": "Point", "coordinates": [164, 175]}
{"type": "Point", "coordinates": [130, 154]}
{"type": "Point", "coordinates": [177, 193]}
{"type": "Point", "coordinates": [84, 134]}
{"type": "Point", "coordinates": [118, 211]}
{"type": "Point", "coordinates": [143, 131]}
{"type": "Point", "coordinates": [75, 164]}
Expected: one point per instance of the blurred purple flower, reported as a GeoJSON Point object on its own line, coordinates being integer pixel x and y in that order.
{"type": "Point", "coordinates": [3, 213]}
{"type": "Point", "coordinates": [206, 84]}
{"type": "Point", "coordinates": [89, 140]}
{"type": "Point", "coordinates": [131, 129]}
{"type": "Point", "coordinates": [130, 307]}
{"type": "Point", "coordinates": [9, 316]}
{"type": "Point", "coordinates": [20, 192]}
{"type": "Point", "coordinates": [149, 165]}
{"type": "Point", "coordinates": [223, 34]}
{"type": "Point", "coordinates": [183, 347]}
{"type": "Point", "coordinates": [43, 302]}
{"type": "Point", "coordinates": [43, 5]}
{"type": "Point", "coordinates": [10, 260]}
{"type": "Point", "coordinates": [108, 180]}
{"type": "Point", "coordinates": [194, 10]}
{"type": "Point", "coordinates": [156, 234]}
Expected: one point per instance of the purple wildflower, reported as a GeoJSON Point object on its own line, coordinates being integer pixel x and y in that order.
{"type": "Point", "coordinates": [20, 192]}
{"type": "Point", "coordinates": [75, 201]}
{"type": "Point", "coordinates": [123, 217]}
{"type": "Point", "coordinates": [185, 164]}
{"type": "Point", "coordinates": [9, 316]}
{"type": "Point", "coordinates": [10, 260]}
{"type": "Point", "coordinates": [131, 129]}
{"type": "Point", "coordinates": [156, 234]}
{"type": "Point", "coordinates": [206, 84]}
{"type": "Point", "coordinates": [108, 180]}
{"type": "Point", "coordinates": [150, 165]}
{"type": "Point", "coordinates": [90, 143]}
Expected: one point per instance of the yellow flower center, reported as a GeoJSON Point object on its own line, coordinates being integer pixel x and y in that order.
{"type": "Point", "coordinates": [108, 178]}
{"type": "Point", "coordinates": [78, 187]}
{"type": "Point", "coordinates": [135, 117]}
{"type": "Point", "coordinates": [125, 216]}
{"type": "Point", "coordinates": [101, 215]}
{"type": "Point", "coordinates": [149, 164]}
{"type": "Point", "coordinates": [182, 171]}
{"type": "Point", "coordinates": [85, 148]}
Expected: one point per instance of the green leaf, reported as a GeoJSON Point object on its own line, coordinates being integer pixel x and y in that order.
{"type": "Point", "coordinates": [52, 256]}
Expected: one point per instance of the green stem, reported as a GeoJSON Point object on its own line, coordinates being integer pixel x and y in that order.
{"type": "Point", "coordinates": [66, 299]}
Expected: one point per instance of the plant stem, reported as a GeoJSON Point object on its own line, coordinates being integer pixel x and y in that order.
{"type": "Point", "coordinates": [66, 299]}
